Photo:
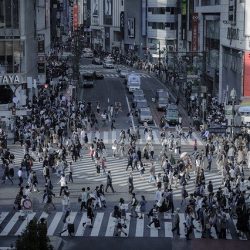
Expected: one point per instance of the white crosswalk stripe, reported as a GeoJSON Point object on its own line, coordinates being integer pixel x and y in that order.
{"type": "Point", "coordinates": [109, 137]}
{"type": "Point", "coordinates": [103, 227]}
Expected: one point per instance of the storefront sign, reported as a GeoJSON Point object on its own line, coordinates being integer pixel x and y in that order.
{"type": "Point", "coordinates": [195, 20]}
{"type": "Point", "coordinates": [10, 79]}
{"type": "Point", "coordinates": [131, 27]}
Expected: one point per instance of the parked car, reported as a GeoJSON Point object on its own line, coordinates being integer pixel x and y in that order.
{"type": "Point", "coordinates": [144, 115]}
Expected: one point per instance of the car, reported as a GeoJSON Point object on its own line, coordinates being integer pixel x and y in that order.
{"type": "Point", "coordinates": [98, 75]}
{"type": "Point", "coordinates": [138, 92]}
{"type": "Point", "coordinates": [97, 61]}
{"type": "Point", "coordinates": [161, 98]}
{"type": "Point", "coordinates": [144, 115]}
{"type": "Point", "coordinates": [123, 73]}
{"type": "Point", "coordinates": [87, 79]}
{"type": "Point", "coordinates": [172, 114]}
{"type": "Point", "coordinates": [108, 64]}
{"type": "Point", "coordinates": [140, 104]}
{"type": "Point", "coordinates": [137, 99]}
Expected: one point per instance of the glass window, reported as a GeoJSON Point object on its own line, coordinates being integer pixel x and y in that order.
{"type": "Point", "coordinates": [9, 14]}
{"type": "Point", "coordinates": [2, 21]}
{"type": "Point", "coordinates": [10, 56]}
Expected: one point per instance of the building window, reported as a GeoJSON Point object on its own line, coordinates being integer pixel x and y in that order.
{"type": "Point", "coordinates": [10, 56]}
{"type": "Point", "coordinates": [157, 25]}
{"type": "Point", "coordinates": [9, 14]}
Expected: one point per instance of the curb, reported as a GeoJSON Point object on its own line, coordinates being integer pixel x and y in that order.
{"type": "Point", "coordinates": [56, 242]}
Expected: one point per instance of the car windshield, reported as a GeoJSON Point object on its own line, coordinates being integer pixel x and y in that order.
{"type": "Point", "coordinates": [139, 98]}
{"type": "Point", "coordinates": [163, 100]}
{"type": "Point", "coordinates": [145, 113]}
{"type": "Point", "coordinates": [163, 94]}
{"type": "Point", "coordinates": [141, 104]}
{"type": "Point", "coordinates": [138, 92]}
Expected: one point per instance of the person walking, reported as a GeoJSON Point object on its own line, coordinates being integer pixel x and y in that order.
{"type": "Point", "coordinates": [20, 176]}
{"type": "Point", "coordinates": [63, 183]}
{"type": "Point", "coordinates": [109, 182]}
{"type": "Point", "coordinates": [84, 199]}
{"type": "Point", "coordinates": [71, 172]}
{"type": "Point", "coordinates": [142, 204]}
{"type": "Point", "coordinates": [90, 215]}
{"type": "Point", "coordinates": [176, 221]}
{"type": "Point", "coordinates": [133, 205]}
{"type": "Point", "coordinates": [130, 183]}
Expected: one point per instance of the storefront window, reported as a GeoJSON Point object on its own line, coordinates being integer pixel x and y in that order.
{"type": "Point", "coordinates": [9, 14]}
{"type": "Point", "coordinates": [10, 56]}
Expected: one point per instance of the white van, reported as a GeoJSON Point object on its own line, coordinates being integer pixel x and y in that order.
{"type": "Point", "coordinates": [244, 112]}
{"type": "Point", "coordinates": [133, 82]}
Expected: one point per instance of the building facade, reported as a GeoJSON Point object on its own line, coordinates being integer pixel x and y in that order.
{"type": "Point", "coordinates": [223, 36]}
{"type": "Point", "coordinates": [105, 24]}
{"type": "Point", "coordinates": [24, 41]}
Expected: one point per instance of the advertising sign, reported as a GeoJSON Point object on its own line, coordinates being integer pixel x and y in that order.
{"type": "Point", "coordinates": [195, 21]}
{"type": "Point", "coordinates": [131, 27]}
{"type": "Point", "coordinates": [246, 85]}
{"type": "Point", "coordinates": [108, 7]}
{"type": "Point", "coordinates": [95, 8]}
{"type": "Point", "coordinates": [122, 23]}
{"type": "Point", "coordinates": [75, 16]}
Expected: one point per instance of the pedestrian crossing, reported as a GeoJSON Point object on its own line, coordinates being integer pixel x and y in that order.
{"type": "Point", "coordinates": [85, 168]}
{"type": "Point", "coordinates": [104, 225]}
{"type": "Point", "coordinates": [117, 75]}
{"type": "Point", "coordinates": [109, 137]}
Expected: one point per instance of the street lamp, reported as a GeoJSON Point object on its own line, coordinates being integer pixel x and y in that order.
{"type": "Point", "coordinates": [233, 96]}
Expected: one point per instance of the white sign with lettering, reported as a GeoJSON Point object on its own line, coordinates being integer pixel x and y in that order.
{"type": "Point", "coordinates": [10, 79]}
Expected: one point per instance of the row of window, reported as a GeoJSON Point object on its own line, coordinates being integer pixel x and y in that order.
{"type": "Point", "coordinates": [162, 10]}
{"type": "Point", "coordinates": [9, 14]}
{"type": "Point", "coordinates": [162, 26]}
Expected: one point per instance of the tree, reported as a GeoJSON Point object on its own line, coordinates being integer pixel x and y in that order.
{"type": "Point", "coordinates": [34, 237]}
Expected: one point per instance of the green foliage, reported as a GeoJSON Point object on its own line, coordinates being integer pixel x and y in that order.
{"type": "Point", "coordinates": [34, 237]}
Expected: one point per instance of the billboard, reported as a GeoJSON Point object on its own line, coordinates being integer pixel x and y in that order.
{"type": "Point", "coordinates": [195, 21]}
{"type": "Point", "coordinates": [95, 8]}
{"type": "Point", "coordinates": [246, 85]}
{"type": "Point", "coordinates": [108, 7]}
{"type": "Point", "coordinates": [131, 27]}
{"type": "Point", "coordinates": [75, 16]}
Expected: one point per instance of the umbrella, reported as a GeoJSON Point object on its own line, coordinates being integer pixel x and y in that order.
{"type": "Point", "coordinates": [183, 155]}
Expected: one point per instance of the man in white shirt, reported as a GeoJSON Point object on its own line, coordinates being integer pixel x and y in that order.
{"type": "Point", "coordinates": [20, 176]}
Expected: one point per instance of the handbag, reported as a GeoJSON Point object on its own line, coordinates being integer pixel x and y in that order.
{"type": "Point", "coordinates": [79, 199]}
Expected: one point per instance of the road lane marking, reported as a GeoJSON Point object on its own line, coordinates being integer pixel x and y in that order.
{"type": "Point", "coordinates": [53, 225]}
{"type": "Point", "coordinates": [131, 116]}
{"type": "Point", "coordinates": [97, 224]}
